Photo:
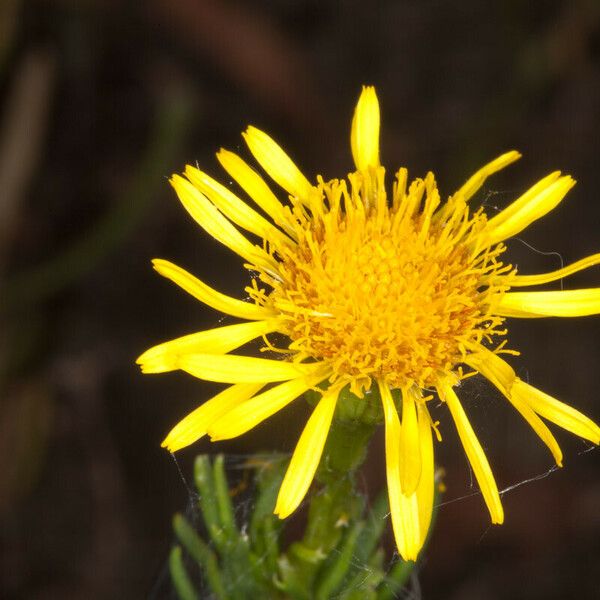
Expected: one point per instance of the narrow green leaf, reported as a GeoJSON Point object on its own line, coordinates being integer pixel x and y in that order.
{"type": "Point", "coordinates": [181, 581]}
{"type": "Point", "coordinates": [224, 504]}
{"type": "Point", "coordinates": [264, 525]}
{"type": "Point", "coordinates": [334, 574]}
{"type": "Point", "coordinates": [395, 580]}
{"type": "Point", "coordinates": [203, 478]}
{"type": "Point", "coordinates": [365, 580]}
{"type": "Point", "coordinates": [376, 523]}
{"type": "Point", "coordinates": [201, 553]}
{"type": "Point", "coordinates": [269, 532]}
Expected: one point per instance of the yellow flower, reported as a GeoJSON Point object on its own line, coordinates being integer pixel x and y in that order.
{"type": "Point", "coordinates": [369, 288]}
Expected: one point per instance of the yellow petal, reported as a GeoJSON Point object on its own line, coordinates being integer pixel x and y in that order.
{"type": "Point", "coordinates": [580, 265]}
{"type": "Point", "coordinates": [195, 425]}
{"type": "Point", "coordinates": [234, 208]}
{"type": "Point", "coordinates": [558, 412]}
{"type": "Point", "coordinates": [254, 411]}
{"type": "Point", "coordinates": [216, 225]}
{"type": "Point", "coordinates": [475, 454]}
{"type": "Point", "coordinates": [534, 191]}
{"type": "Point", "coordinates": [255, 186]}
{"type": "Point", "coordinates": [410, 450]}
{"type": "Point", "coordinates": [474, 183]}
{"type": "Point", "coordinates": [527, 209]}
{"type": "Point", "coordinates": [491, 366]}
{"type": "Point", "coordinates": [364, 136]}
{"type": "Point", "coordinates": [209, 296]}
{"type": "Point", "coordinates": [498, 372]}
{"type": "Point", "coordinates": [164, 357]}
{"type": "Point", "coordinates": [426, 490]}
{"type": "Point", "coordinates": [567, 303]}
{"type": "Point", "coordinates": [537, 425]}
{"type": "Point", "coordinates": [307, 455]}
{"type": "Point", "coordinates": [277, 163]}
{"type": "Point", "coordinates": [404, 510]}
{"type": "Point", "coordinates": [230, 368]}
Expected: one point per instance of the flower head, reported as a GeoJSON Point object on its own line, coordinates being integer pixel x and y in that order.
{"type": "Point", "coordinates": [374, 288]}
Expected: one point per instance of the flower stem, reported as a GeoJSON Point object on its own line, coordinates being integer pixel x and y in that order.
{"type": "Point", "coordinates": [334, 507]}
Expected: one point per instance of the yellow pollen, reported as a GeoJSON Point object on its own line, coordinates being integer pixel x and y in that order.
{"type": "Point", "coordinates": [387, 292]}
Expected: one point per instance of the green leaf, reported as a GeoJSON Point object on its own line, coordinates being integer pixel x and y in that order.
{"type": "Point", "coordinates": [224, 505]}
{"type": "Point", "coordinates": [201, 553]}
{"type": "Point", "coordinates": [376, 523]}
{"type": "Point", "coordinates": [181, 581]}
{"type": "Point", "coordinates": [396, 580]}
{"type": "Point", "coordinates": [331, 579]}
{"type": "Point", "coordinates": [204, 480]}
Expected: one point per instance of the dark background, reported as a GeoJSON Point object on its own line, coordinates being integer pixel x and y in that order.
{"type": "Point", "coordinates": [101, 100]}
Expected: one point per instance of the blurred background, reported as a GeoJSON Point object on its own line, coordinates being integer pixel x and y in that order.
{"type": "Point", "coordinates": [101, 100]}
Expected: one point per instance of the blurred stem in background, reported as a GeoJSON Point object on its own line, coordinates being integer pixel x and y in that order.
{"type": "Point", "coordinates": [27, 409]}
{"type": "Point", "coordinates": [9, 10]}
{"type": "Point", "coordinates": [83, 255]}
{"type": "Point", "coordinates": [29, 102]}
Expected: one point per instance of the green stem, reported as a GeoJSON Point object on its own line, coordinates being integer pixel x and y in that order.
{"type": "Point", "coordinates": [333, 507]}
{"type": "Point", "coordinates": [345, 450]}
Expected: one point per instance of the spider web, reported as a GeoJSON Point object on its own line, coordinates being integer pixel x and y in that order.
{"type": "Point", "coordinates": [240, 480]}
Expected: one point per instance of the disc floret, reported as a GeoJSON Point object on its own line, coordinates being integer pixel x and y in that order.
{"type": "Point", "coordinates": [388, 291]}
